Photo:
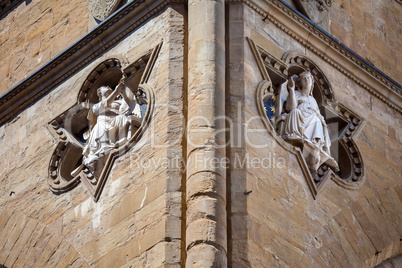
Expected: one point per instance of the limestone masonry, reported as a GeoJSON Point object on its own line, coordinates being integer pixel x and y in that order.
{"type": "Point", "coordinates": [200, 133]}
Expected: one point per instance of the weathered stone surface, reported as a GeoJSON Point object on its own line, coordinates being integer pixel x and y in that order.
{"type": "Point", "coordinates": [102, 9]}
{"type": "Point", "coordinates": [342, 227]}
{"type": "Point", "coordinates": [365, 27]}
{"type": "Point", "coordinates": [205, 255]}
{"type": "Point", "coordinates": [155, 213]}
{"type": "Point", "coordinates": [141, 207]}
{"type": "Point", "coordinates": [36, 31]}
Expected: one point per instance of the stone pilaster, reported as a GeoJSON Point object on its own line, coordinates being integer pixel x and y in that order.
{"type": "Point", "coordinates": [206, 235]}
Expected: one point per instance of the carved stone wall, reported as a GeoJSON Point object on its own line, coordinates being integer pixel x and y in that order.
{"type": "Point", "coordinates": [342, 227]}
{"type": "Point", "coordinates": [209, 182]}
{"type": "Point", "coordinates": [136, 222]}
{"type": "Point", "coordinates": [33, 32]}
{"type": "Point", "coordinates": [371, 29]}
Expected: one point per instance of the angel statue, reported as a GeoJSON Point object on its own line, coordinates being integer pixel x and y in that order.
{"type": "Point", "coordinates": [112, 122]}
{"type": "Point", "coordinates": [304, 124]}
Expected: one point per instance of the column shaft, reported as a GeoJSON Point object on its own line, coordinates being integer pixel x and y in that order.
{"type": "Point", "coordinates": [206, 234]}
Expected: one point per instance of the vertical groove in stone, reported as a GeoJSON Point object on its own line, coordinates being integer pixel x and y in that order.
{"type": "Point", "coordinates": [228, 133]}
{"type": "Point", "coordinates": [206, 239]}
{"type": "Point", "coordinates": [184, 143]}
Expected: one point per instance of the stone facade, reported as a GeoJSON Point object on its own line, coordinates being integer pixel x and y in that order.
{"type": "Point", "coordinates": [372, 29]}
{"type": "Point", "coordinates": [36, 31]}
{"type": "Point", "coordinates": [341, 228]}
{"type": "Point", "coordinates": [209, 183]}
{"type": "Point", "coordinates": [137, 219]}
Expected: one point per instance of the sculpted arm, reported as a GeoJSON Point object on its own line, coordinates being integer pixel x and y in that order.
{"type": "Point", "coordinates": [115, 92]}
{"type": "Point", "coordinates": [127, 94]}
{"type": "Point", "coordinates": [291, 102]}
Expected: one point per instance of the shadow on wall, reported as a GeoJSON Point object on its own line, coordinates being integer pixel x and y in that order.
{"type": "Point", "coordinates": [7, 6]}
{"type": "Point", "coordinates": [393, 262]}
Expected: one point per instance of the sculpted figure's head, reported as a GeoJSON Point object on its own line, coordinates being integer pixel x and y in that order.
{"type": "Point", "coordinates": [104, 92]}
{"type": "Point", "coordinates": [305, 83]}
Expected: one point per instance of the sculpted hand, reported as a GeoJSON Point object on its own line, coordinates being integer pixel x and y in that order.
{"type": "Point", "coordinates": [120, 86]}
{"type": "Point", "coordinates": [291, 101]}
{"type": "Point", "coordinates": [123, 78]}
{"type": "Point", "coordinates": [291, 84]}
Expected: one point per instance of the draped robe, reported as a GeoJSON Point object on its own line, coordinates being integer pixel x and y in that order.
{"type": "Point", "coordinates": [110, 127]}
{"type": "Point", "coordinates": [305, 122]}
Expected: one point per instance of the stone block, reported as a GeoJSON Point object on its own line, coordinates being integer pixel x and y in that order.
{"type": "Point", "coordinates": [20, 242]}
{"type": "Point", "coordinates": [207, 161]}
{"type": "Point", "coordinates": [113, 238]}
{"type": "Point", "coordinates": [335, 248]}
{"type": "Point", "coordinates": [204, 183]}
{"type": "Point", "coordinates": [40, 244]}
{"type": "Point", "coordinates": [150, 236]}
{"type": "Point", "coordinates": [205, 230]}
{"type": "Point", "coordinates": [116, 258]}
{"type": "Point", "coordinates": [379, 218]}
{"type": "Point", "coordinates": [151, 212]}
{"type": "Point", "coordinates": [25, 255]}
{"type": "Point", "coordinates": [205, 207]}
{"type": "Point", "coordinates": [204, 255]}
{"type": "Point", "coordinates": [68, 258]}
{"type": "Point", "coordinates": [4, 67]}
{"type": "Point", "coordinates": [4, 33]}
{"type": "Point", "coordinates": [279, 246]}
{"type": "Point", "coordinates": [41, 25]}
{"type": "Point", "coordinates": [390, 209]}
{"type": "Point", "coordinates": [140, 200]}
{"type": "Point", "coordinates": [4, 218]}
{"type": "Point", "coordinates": [156, 255]}
{"type": "Point", "coordinates": [14, 233]}
{"type": "Point", "coordinates": [239, 225]}
{"type": "Point", "coordinates": [368, 227]}
{"type": "Point", "coordinates": [58, 254]}
{"type": "Point", "coordinates": [346, 241]}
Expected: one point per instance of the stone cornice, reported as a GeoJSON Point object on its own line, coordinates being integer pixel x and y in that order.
{"type": "Point", "coordinates": [329, 49]}
{"type": "Point", "coordinates": [6, 5]}
{"type": "Point", "coordinates": [92, 45]}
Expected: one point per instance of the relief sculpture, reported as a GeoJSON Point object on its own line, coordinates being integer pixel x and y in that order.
{"type": "Point", "coordinates": [315, 10]}
{"type": "Point", "coordinates": [113, 110]}
{"type": "Point", "coordinates": [112, 121]}
{"type": "Point", "coordinates": [101, 9]}
{"type": "Point", "coordinates": [298, 107]}
{"type": "Point", "coordinates": [304, 126]}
